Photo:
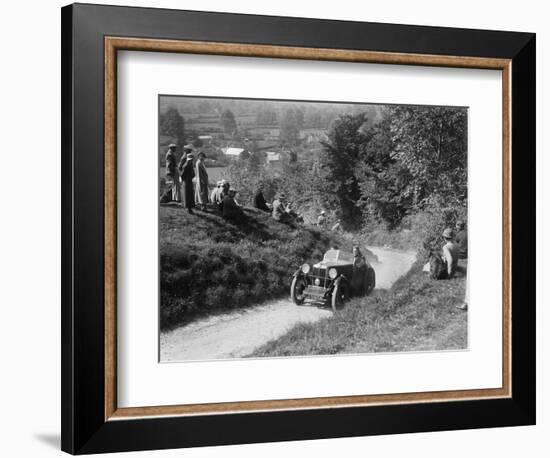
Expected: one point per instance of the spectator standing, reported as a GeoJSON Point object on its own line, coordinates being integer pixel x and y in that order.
{"type": "Point", "coordinates": [187, 175]}
{"type": "Point", "coordinates": [201, 182]}
{"type": "Point", "coordinates": [172, 172]}
{"type": "Point", "coordinates": [186, 150]}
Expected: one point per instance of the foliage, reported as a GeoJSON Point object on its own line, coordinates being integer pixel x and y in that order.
{"type": "Point", "coordinates": [227, 120]}
{"type": "Point", "coordinates": [266, 117]}
{"type": "Point", "coordinates": [412, 162]}
{"type": "Point", "coordinates": [302, 183]}
{"type": "Point", "coordinates": [341, 157]}
{"type": "Point", "coordinates": [431, 143]}
{"type": "Point", "coordinates": [292, 121]}
{"type": "Point", "coordinates": [172, 125]}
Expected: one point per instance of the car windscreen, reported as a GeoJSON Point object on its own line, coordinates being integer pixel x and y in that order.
{"type": "Point", "coordinates": [331, 256]}
{"type": "Point", "coordinates": [345, 256]}
{"type": "Point", "coordinates": [337, 255]}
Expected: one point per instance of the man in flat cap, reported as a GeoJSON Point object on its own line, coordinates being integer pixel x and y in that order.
{"type": "Point", "coordinates": [186, 150]}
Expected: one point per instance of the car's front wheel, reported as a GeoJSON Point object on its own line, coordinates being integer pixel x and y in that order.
{"type": "Point", "coordinates": [297, 290]}
{"type": "Point", "coordinates": [339, 295]}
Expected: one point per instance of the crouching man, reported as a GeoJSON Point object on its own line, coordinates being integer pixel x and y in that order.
{"type": "Point", "coordinates": [443, 265]}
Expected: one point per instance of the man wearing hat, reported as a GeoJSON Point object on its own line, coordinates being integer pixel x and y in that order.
{"type": "Point", "coordinates": [450, 251]}
{"type": "Point", "coordinates": [187, 191]}
{"type": "Point", "coordinates": [186, 150]}
{"type": "Point", "coordinates": [172, 172]}
{"type": "Point", "coordinates": [322, 219]}
{"type": "Point", "coordinates": [216, 195]}
{"type": "Point", "coordinates": [231, 209]}
{"type": "Point", "coordinates": [201, 182]}
{"type": "Point", "coordinates": [279, 213]}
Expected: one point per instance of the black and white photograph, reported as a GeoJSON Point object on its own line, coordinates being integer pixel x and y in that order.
{"type": "Point", "coordinates": [292, 228]}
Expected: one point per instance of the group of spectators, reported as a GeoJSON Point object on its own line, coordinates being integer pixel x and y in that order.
{"type": "Point", "coordinates": [189, 178]}
{"type": "Point", "coordinates": [281, 209]}
{"type": "Point", "coordinates": [189, 185]}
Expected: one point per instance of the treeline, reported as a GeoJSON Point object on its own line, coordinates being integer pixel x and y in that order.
{"type": "Point", "coordinates": [406, 170]}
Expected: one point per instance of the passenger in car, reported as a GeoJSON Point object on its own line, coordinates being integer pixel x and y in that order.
{"type": "Point", "coordinates": [358, 258]}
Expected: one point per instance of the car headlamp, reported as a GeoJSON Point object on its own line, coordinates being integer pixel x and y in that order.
{"type": "Point", "coordinates": [332, 273]}
{"type": "Point", "coordinates": [306, 268]}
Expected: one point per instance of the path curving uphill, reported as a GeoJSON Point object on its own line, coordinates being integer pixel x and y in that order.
{"type": "Point", "coordinates": [239, 333]}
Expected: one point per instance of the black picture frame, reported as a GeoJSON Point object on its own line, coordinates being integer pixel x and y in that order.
{"type": "Point", "coordinates": [84, 428]}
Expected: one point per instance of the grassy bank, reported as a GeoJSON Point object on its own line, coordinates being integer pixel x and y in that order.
{"type": "Point", "coordinates": [210, 265]}
{"type": "Point", "coordinates": [416, 314]}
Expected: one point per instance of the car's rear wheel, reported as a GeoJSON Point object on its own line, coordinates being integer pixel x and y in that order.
{"type": "Point", "coordinates": [371, 280]}
{"type": "Point", "coordinates": [339, 295]}
{"type": "Point", "coordinates": [297, 290]}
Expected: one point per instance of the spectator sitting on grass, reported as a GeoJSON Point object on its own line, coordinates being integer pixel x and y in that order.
{"type": "Point", "coordinates": [224, 191]}
{"type": "Point", "coordinates": [322, 219]}
{"type": "Point", "coordinates": [279, 212]}
{"type": "Point", "coordinates": [215, 196]}
{"type": "Point", "coordinates": [231, 209]}
{"type": "Point", "coordinates": [259, 200]}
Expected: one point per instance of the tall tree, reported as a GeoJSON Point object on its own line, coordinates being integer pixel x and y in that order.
{"type": "Point", "coordinates": [172, 125]}
{"type": "Point", "coordinates": [344, 149]}
{"type": "Point", "coordinates": [292, 121]}
{"type": "Point", "coordinates": [227, 120]}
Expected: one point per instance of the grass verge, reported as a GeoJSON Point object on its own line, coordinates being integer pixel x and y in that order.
{"type": "Point", "coordinates": [416, 314]}
{"type": "Point", "coordinates": [209, 265]}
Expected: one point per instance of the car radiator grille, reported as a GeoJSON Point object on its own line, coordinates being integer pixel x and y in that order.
{"type": "Point", "coordinates": [317, 273]}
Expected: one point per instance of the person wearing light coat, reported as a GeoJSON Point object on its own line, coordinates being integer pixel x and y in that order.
{"type": "Point", "coordinates": [201, 182]}
{"type": "Point", "coordinates": [172, 172]}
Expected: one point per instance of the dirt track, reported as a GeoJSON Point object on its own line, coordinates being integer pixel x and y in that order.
{"type": "Point", "coordinates": [237, 334]}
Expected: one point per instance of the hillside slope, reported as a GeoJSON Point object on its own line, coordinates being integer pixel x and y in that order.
{"type": "Point", "coordinates": [210, 265]}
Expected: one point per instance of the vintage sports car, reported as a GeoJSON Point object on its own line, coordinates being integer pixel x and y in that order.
{"type": "Point", "coordinates": [336, 278]}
